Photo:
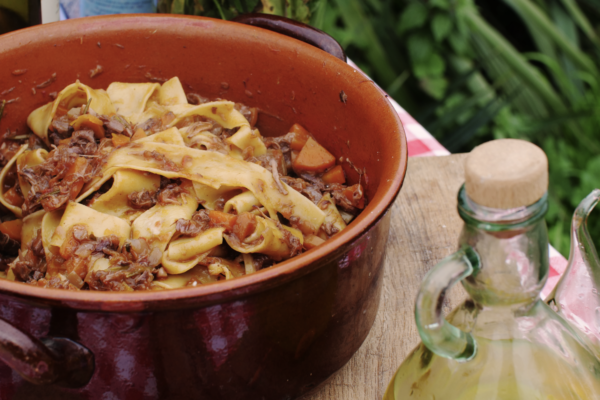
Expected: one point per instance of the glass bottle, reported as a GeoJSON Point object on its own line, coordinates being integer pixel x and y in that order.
{"type": "Point", "coordinates": [576, 296]}
{"type": "Point", "coordinates": [503, 342]}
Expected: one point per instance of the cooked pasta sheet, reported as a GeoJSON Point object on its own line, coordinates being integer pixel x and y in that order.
{"type": "Point", "coordinates": [144, 187]}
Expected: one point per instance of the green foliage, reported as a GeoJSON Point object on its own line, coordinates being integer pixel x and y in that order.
{"type": "Point", "coordinates": [530, 72]}
{"type": "Point", "coordinates": [228, 9]}
{"type": "Point", "coordinates": [467, 81]}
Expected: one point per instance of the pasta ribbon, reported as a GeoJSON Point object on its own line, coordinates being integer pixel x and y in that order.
{"type": "Point", "coordinates": [98, 224]}
{"type": "Point", "coordinates": [243, 202]}
{"type": "Point", "coordinates": [139, 101]}
{"type": "Point", "coordinates": [268, 238]}
{"type": "Point", "coordinates": [185, 253]}
{"type": "Point", "coordinates": [334, 222]}
{"type": "Point", "coordinates": [27, 160]}
{"type": "Point", "coordinates": [74, 95]}
{"type": "Point", "coordinates": [226, 268]}
{"type": "Point", "coordinates": [50, 222]}
{"type": "Point", "coordinates": [157, 225]}
{"type": "Point", "coordinates": [215, 169]}
{"type": "Point", "coordinates": [199, 273]}
{"type": "Point", "coordinates": [171, 93]}
{"type": "Point", "coordinates": [130, 99]}
{"type": "Point", "coordinates": [209, 196]}
{"type": "Point", "coordinates": [224, 113]}
{"type": "Point", "coordinates": [169, 136]}
{"type": "Point", "coordinates": [15, 210]}
{"type": "Point", "coordinates": [249, 263]}
{"type": "Point", "coordinates": [31, 224]}
{"type": "Point", "coordinates": [125, 182]}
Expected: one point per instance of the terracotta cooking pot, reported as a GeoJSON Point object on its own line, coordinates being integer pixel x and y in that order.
{"type": "Point", "coordinates": [275, 334]}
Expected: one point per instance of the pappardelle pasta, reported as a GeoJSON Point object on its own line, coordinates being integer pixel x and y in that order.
{"type": "Point", "coordinates": [142, 187]}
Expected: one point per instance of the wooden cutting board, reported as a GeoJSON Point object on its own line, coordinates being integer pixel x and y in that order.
{"type": "Point", "coordinates": [424, 229]}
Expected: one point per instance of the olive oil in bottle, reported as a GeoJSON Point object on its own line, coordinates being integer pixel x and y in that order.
{"type": "Point", "coordinates": [504, 343]}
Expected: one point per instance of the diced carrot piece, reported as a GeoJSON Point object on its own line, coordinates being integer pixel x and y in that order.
{"type": "Point", "coordinates": [223, 220]}
{"type": "Point", "coordinates": [78, 167]}
{"type": "Point", "coordinates": [76, 188]}
{"type": "Point", "coordinates": [311, 241]}
{"type": "Point", "coordinates": [119, 140]}
{"type": "Point", "coordinates": [88, 121]}
{"type": "Point", "coordinates": [13, 197]}
{"type": "Point", "coordinates": [298, 136]}
{"type": "Point", "coordinates": [294, 155]}
{"type": "Point", "coordinates": [335, 175]}
{"type": "Point", "coordinates": [245, 225]}
{"type": "Point", "coordinates": [12, 229]}
{"type": "Point", "coordinates": [139, 134]}
{"type": "Point", "coordinates": [359, 200]}
{"type": "Point", "coordinates": [313, 157]}
{"type": "Point", "coordinates": [64, 141]}
{"type": "Point", "coordinates": [76, 174]}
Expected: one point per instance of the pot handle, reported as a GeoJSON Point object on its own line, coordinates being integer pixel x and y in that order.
{"type": "Point", "coordinates": [45, 361]}
{"type": "Point", "coordinates": [294, 29]}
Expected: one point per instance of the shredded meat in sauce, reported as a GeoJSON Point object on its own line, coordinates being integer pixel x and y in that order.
{"type": "Point", "coordinates": [76, 156]}
{"type": "Point", "coordinates": [142, 200]}
{"type": "Point", "coordinates": [193, 227]}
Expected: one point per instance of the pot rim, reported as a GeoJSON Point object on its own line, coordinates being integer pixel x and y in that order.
{"type": "Point", "coordinates": [249, 284]}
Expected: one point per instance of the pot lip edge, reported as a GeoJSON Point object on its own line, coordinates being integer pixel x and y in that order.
{"type": "Point", "coordinates": [288, 270]}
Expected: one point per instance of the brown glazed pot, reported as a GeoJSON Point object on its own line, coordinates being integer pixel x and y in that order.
{"type": "Point", "coordinates": [275, 334]}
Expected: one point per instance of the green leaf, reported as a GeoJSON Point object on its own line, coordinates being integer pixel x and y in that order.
{"type": "Point", "coordinates": [375, 4]}
{"type": "Point", "coordinates": [432, 66]}
{"type": "Point", "coordinates": [443, 4]}
{"type": "Point", "coordinates": [238, 6]}
{"type": "Point", "coordinates": [425, 62]}
{"type": "Point", "coordinates": [441, 25]}
{"type": "Point", "coordinates": [300, 11]}
{"type": "Point", "coordinates": [581, 20]}
{"type": "Point", "coordinates": [419, 47]}
{"type": "Point", "coordinates": [273, 7]}
{"type": "Point", "coordinates": [535, 18]}
{"type": "Point", "coordinates": [318, 14]}
{"type": "Point", "coordinates": [178, 7]}
{"type": "Point", "coordinates": [460, 44]}
{"type": "Point", "coordinates": [357, 23]}
{"type": "Point", "coordinates": [435, 86]}
{"type": "Point", "coordinates": [506, 53]}
{"type": "Point", "coordinates": [252, 5]}
{"type": "Point", "coordinates": [413, 16]}
{"type": "Point", "coordinates": [220, 9]}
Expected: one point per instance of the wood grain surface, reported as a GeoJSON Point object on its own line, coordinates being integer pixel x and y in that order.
{"type": "Point", "coordinates": [424, 229]}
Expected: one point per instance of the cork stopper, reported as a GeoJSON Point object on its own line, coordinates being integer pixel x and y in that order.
{"type": "Point", "coordinates": [506, 173]}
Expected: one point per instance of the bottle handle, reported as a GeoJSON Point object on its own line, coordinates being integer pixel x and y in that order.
{"type": "Point", "coordinates": [437, 334]}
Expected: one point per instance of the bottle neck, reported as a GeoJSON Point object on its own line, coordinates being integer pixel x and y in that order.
{"type": "Point", "coordinates": [499, 220]}
{"type": "Point", "coordinates": [513, 248]}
